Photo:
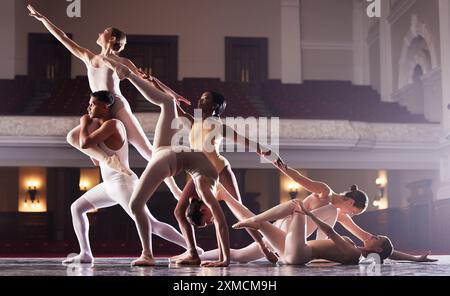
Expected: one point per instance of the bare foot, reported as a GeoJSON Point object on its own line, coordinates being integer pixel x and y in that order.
{"type": "Point", "coordinates": [216, 264]}
{"type": "Point", "coordinates": [82, 258]}
{"type": "Point", "coordinates": [189, 259]}
{"type": "Point", "coordinates": [177, 257]}
{"type": "Point", "coordinates": [269, 254]}
{"type": "Point", "coordinates": [144, 260]}
{"type": "Point", "coordinates": [114, 163]}
{"type": "Point", "coordinates": [247, 223]}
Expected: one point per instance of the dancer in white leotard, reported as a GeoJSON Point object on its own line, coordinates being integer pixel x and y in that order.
{"type": "Point", "coordinates": [167, 161]}
{"type": "Point", "coordinates": [112, 41]}
{"type": "Point", "coordinates": [99, 128]}
{"type": "Point", "coordinates": [328, 206]}
{"type": "Point", "coordinates": [292, 244]}
{"type": "Point", "coordinates": [253, 252]}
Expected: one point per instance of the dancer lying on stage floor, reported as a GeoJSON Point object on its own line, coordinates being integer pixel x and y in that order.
{"type": "Point", "coordinates": [98, 127]}
{"type": "Point", "coordinates": [324, 203]}
{"type": "Point", "coordinates": [293, 247]}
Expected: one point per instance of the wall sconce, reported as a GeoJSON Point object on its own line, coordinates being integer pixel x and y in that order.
{"type": "Point", "coordinates": [32, 194]}
{"type": "Point", "coordinates": [381, 185]}
{"type": "Point", "coordinates": [293, 190]}
{"type": "Point", "coordinates": [84, 186]}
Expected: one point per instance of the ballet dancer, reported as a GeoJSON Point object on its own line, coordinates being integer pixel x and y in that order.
{"type": "Point", "coordinates": [112, 41]}
{"type": "Point", "coordinates": [98, 127]}
{"type": "Point", "coordinates": [323, 202]}
{"type": "Point", "coordinates": [167, 161]}
{"type": "Point", "coordinates": [349, 204]}
{"type": "Point", "coordinates": [293, 247]}
{"type": "Point", "coordinates": [203, 137]}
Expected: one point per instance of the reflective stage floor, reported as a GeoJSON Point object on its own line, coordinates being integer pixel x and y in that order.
{"type": "Point", "coordinates": [121, 267]}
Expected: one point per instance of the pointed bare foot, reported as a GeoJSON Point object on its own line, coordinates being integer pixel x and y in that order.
{"type": "Point", "coordinates": [144, 260]}
{"type": "Point", "coordinates": [270, 256]}
{"type": "Point", "coordinates": [247, 223]}
{"type": "Point", "coordinates": [181, 99]}
{"type": "Point", "coordinates": [114, 163]}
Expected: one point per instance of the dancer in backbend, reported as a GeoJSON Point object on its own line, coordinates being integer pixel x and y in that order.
{"type": "Point", "coordinates": [323, 202]}
{"type": "Point", "coordinates": [293, 247]}
{"type": "Point", "coordinates": [98, 127]}
{"type": "Point", "coordinates": [206, 135]}
{"type": "Point", "coordinates": [167, 161]}
{"type": "Point", "coordinates": [112, 41]}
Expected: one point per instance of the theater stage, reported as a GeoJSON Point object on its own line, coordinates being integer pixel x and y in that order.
{"type": "Point", "coordinates": [121, 267]}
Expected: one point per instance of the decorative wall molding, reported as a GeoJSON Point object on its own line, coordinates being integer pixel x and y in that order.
{"type": "Point", "coordinates": [327, 45]}
{"type": "Point", "coordinates": [410, 57]}
{"type": "Point", "coordinates": [51, 131]}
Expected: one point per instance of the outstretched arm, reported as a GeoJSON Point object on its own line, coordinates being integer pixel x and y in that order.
{"type": "Point", "coordinates": [350, 251]}
{"type": "Point", "coordinates": [82, 53]}
{"type": "Point", "coordinates": [319, 188]}
{"type": "Point", "coordinates": [399, 256]}
{"type": "Point", "coordinates": [261, 150]}
{"type": "Point", "coordinates": [351, 226]}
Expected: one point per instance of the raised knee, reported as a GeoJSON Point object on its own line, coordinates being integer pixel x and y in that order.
{"type": "Point", "coordinates": [135, 207]}
{"type": "Point", "coordinates": [178, 212]}
{"type": "Point", "coordinates": [75, 209]}
{"type": "Point", "coordinates": [295, 259]}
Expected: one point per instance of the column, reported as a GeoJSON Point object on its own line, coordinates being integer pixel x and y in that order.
{"type": "Point", "coordinates": [8, 35]}
{"type": "Point", "coordinates": [444, 28]}
{"type": "Point", "coordinates": [291, 64]}
{"type": "Point", "coordinates": [385, 53]}
{"type": "Point", "coordinates": [360, 49]}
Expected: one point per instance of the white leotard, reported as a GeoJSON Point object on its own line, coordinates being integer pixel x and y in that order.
{"type": "Point", "coordinates": [103, 78]}
{"type": "Point", "coordinates": [109, 174]}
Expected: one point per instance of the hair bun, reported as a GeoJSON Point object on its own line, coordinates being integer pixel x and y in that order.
{"type": "Point", "coordinates": [354, 188]}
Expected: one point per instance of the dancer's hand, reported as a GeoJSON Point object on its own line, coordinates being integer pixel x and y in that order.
{"type": "Point", "coordinates": [145, 75]}
{"type": "Point", "coordinates": [424, 258]}
{"type": "Point", "coordinates": [304, 209]}
{"type": "Point", "coordinates": [85, 120]}
{"type": "Point", "coordinates": [224, 263]}
{"type": "Point", "coordinates": [273, 157]}
{"type": "Point", "coordinates": [280, 164]}
{"type": "Point", "coordinates": [34, 13]}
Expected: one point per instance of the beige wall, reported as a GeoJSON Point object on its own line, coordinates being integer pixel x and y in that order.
{"type": "Point", "coordinates": [201, 26]}
{"type": "Point", "coordinates": [427, 13]}
{"type": "Point", "coordinates": [327, 26]}
{"type": "Point", "coordinates": [9, 189]}
{"type": "Point", "coordinates": [7, 31]}
{"type": "Point", "coordinates": [321, 64]}
{"type": "Point", "coordinates": [375, 67]}
{"type": "Point", "coordinates": [325, 20]}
